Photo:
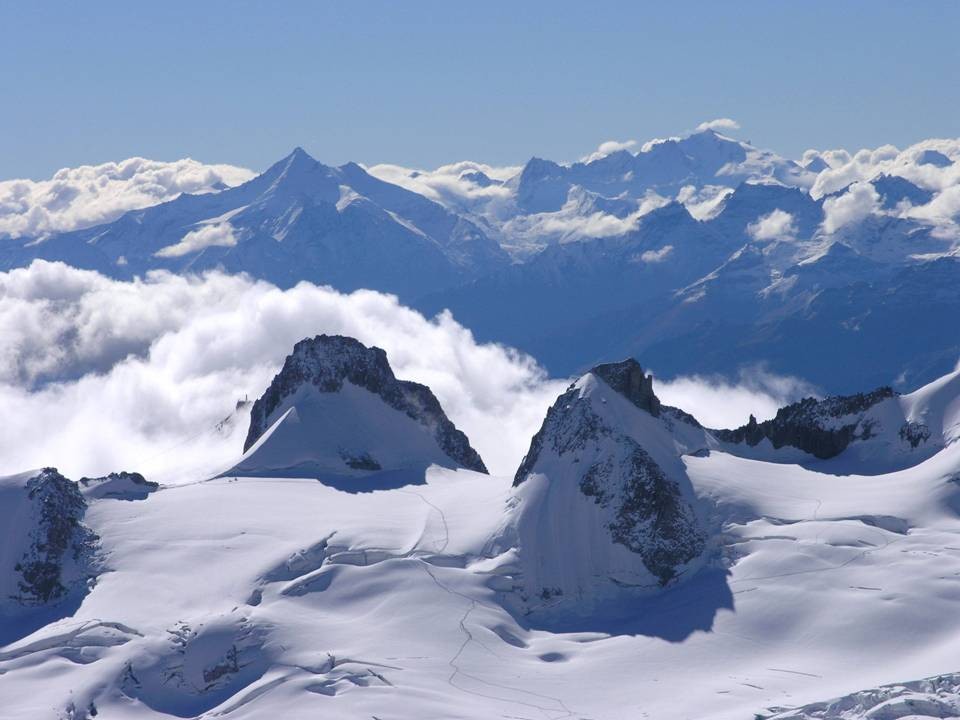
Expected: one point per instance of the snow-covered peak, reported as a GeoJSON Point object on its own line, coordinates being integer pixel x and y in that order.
{"type": "Point", "coordinates": [604, 505]}
{"type": "Point", "coordinates": [336, 407]}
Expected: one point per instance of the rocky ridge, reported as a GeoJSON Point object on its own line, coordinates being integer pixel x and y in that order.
{"type": "Point", "coordinates": [326, 362]}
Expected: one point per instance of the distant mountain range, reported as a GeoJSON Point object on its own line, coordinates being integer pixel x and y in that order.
{"type": "Point", "coordinates": [699, 254]}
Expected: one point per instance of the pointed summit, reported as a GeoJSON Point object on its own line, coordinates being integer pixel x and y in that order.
{"type": "Point", "coordinates": [605, 504]}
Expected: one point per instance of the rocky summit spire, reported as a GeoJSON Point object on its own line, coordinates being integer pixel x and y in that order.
{"type": "Point", "coordinates": [628, 379]}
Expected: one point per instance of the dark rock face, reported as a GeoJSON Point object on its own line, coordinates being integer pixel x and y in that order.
{"type": "Point", "coordinates": [651, 517]}
{"type": "Point", "coordinates": [914, 433]}
{"type": "Point", "coordinates": [811, 425]}
{"type": "Point", "coordinates": [57, 538]}
{"type": "Point", "coordinates": [327, 361]}
{"type": "Point", "coordinates": [627, 378]}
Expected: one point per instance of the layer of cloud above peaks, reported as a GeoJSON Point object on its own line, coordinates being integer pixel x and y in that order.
{"type": "Point", "coordinates": [98, 375]}
{"type": "Point", "coordinates": [84, 196]}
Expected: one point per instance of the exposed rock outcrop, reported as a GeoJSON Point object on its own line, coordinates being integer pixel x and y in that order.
{"type": "Point", "coordinates": [822, 428]}
{"type": "Point", "coordinates": [53, 551]}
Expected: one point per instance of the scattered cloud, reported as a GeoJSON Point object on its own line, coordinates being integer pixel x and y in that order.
{"type": "Point", "coordinates": [215, 234]}
{"type": "Point", "coordinates": [460, 186]}
{"type": "Point", "coordinates": [857, 203]}
{"type": "Point", "coordinates": [581, 219]}
{"type": "Point", "coordinates": [704, 202]}
{"type": "Point", "coordinates": [608, 148]}
{"type": "Point", "coordinates": [777, 225]}
{"type": "Point", "coordinates": [655, 256]}
{"type": "Point", "coordinates": [80, 197]}
{"type": "Point", "coordinates": [719, 124]}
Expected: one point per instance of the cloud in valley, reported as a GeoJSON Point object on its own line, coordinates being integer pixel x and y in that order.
{"type": "Point", "coordinates": [777, 225]}
{"type": "Point", "coordinates": [212, 235]}
{"type": "Point", "coordinates": [99, 375]}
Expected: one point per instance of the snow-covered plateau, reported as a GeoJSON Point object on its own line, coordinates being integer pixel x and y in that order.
{"type": "Point", "coordinates": [356, 561]}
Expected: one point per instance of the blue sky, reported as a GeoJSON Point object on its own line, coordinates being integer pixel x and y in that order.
{"type": "Point", "coordinates": [423, 83]}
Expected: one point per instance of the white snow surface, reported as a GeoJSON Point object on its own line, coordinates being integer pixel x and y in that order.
{"type": "Point", "coordinates": [247, 597]}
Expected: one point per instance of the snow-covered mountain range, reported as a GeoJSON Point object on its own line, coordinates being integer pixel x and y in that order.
{"type": "Point", "coordinates": [701, 253]}
{"type": "Point", "coordinates": [636, 564]}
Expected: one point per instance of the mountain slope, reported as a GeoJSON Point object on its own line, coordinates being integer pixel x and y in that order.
{"type": "Point", "coordinates": [299, 220]}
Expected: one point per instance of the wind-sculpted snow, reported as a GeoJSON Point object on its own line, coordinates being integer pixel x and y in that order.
{"type": "Point", "coordinates": [323, 365]}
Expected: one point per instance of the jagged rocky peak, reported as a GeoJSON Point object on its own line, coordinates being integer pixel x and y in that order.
{"type": "Point", "coordinates": [336, 406]}
{"type": "Point", "coordinates": [48, 553]}
{"type": "Point", "coordinates": [605, 504]}
{"type": "Point", "coordinates": [628, 379]}
{"type": "Point", "coordinates": [822, 428]}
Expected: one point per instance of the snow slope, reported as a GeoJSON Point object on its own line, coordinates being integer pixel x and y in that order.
{"type": "Point", "coordinates": [291, 597]}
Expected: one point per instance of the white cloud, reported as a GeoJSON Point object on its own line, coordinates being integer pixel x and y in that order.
{"type": "Point", "coordinates": [704, 202]}
{"type": "Point", "coordinates": [215, 234]}
{"type": "Point", "coordinates": [608, 148]}
{"type": "Point", "coordinates": [777, 225]}
{"type": "Point", "coordinates": [579, 219]}
{"type": "Point", "coordinates": [719, 124]}
{"type": "Point", "coordinates": [719, 403]}
{"type": "Point", "coordinates": [453, 186]}
{"type": "Point", "coordinates": [858, 202]}
{"type": "Point", "coordinates": [92, 194]}
{"type": "Point", "coordinates": [99, 375]}
{"type": "Point", "coordinates": [655, 256]}
{"type": "Point", "coordinates": [866, 164]}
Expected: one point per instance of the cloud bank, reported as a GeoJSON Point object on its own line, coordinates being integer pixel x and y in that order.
{"type": "Point", "coordinates": [84, 196]}
{"type": "Point", "coordinates": [719, 403]}
{"type": "Point", "coordinates": [98, 375]}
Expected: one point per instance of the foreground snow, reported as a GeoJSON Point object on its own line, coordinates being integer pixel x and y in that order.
{"type": "Point", "coordinates": [759, 581]}
{"type": "Point", "coordinates": [245, 597]}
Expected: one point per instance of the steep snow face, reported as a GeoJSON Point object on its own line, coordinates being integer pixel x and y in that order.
{"type": "Point", "coordinates": [46, 552]}
{"type": "Point", "coordinates": [336, 407]}
{"type": "Point", "coordinates": [603, 503]}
